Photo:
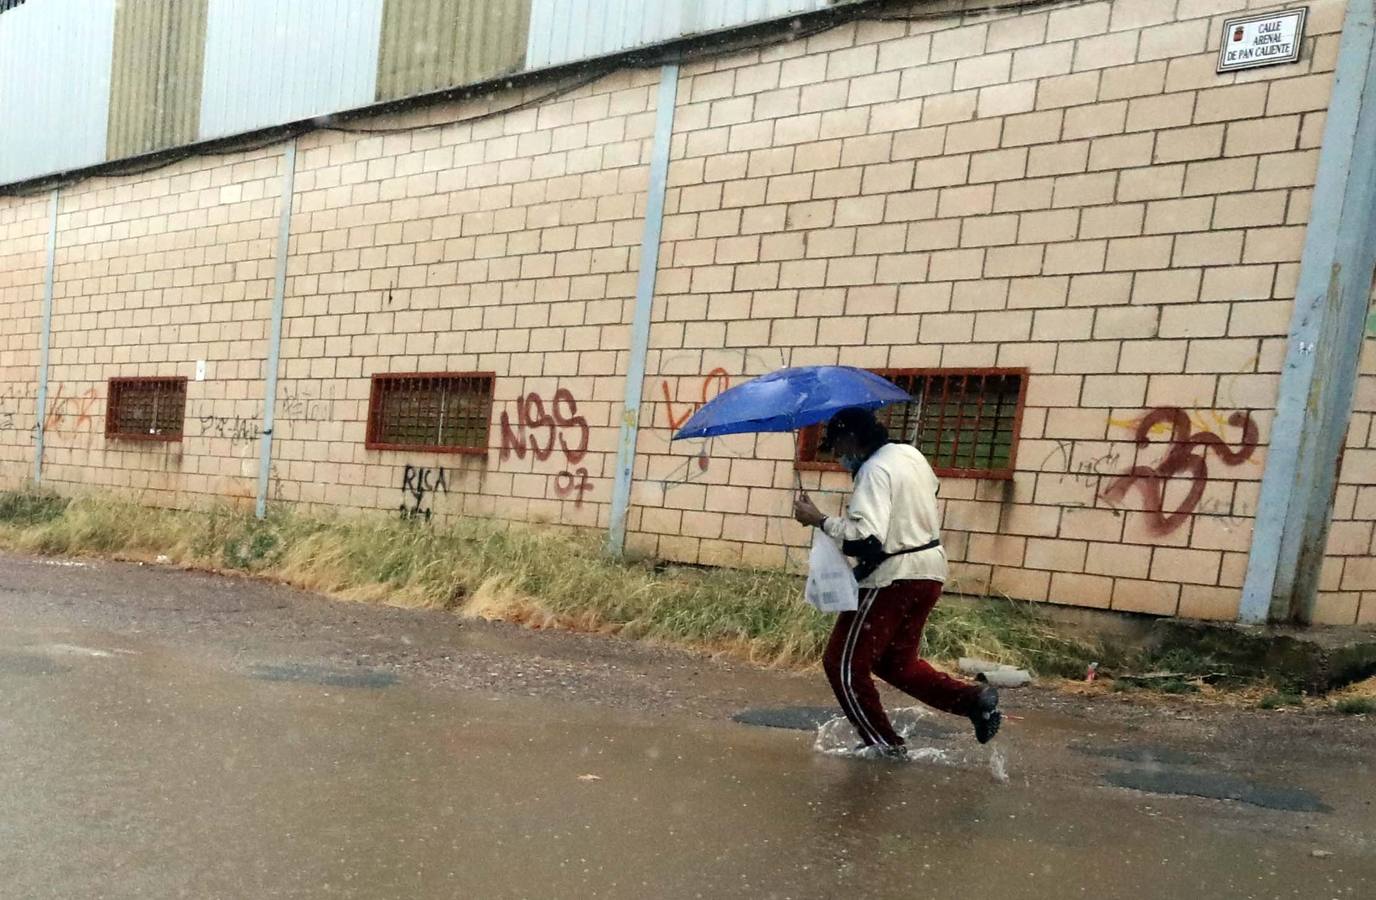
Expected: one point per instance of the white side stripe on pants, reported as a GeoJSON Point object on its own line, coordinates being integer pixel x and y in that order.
{"type": "Point", "coordinates": [868, 731]}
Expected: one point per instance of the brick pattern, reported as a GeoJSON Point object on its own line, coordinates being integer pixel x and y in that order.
{"type": "Point", "coordinates": [153, 274]}
{"type": "Point", "coordinates": [1072, 190]}
{"type": "Point", "coordinates": [1347, 583]}
{"type": "Point", "coordinates": [23, 239]}
{"type": "Point", "coordinates": [508, 245]}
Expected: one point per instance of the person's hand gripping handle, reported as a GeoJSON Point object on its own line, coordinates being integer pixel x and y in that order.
{"type": "Point", "coordinates": [806, 512]}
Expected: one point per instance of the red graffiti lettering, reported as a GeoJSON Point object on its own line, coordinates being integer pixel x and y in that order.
{"type": "Point", "coordinates": [77, 408]}
{"type": "Point", "coordinates": [576, 483]}
{"type": "Point", "coordinates": [563, 400]}
{"type": "Point", "coordinates": [532, 418]}
{"type": "Point", "coordinates": [718, 378]}
{"type": "Point", "coordinates": [555, 424]}
{"type": "Point", "coordinates": [1186, 456]}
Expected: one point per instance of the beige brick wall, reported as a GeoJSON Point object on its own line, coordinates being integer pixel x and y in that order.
{"type": "Point", "coordinates": [1347, 584]}
{"type": "Point", "coordinates": [154, 273]}
{"type": "Point", "coordinates": [23, 237]}
{"type": "Point", "coordinates": [1071, 190]}
{"type": "Point", "coordinates": [509, 244]}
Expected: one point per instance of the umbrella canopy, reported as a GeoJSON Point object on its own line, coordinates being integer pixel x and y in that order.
{"type": "Point", "coordinates": [790, 399]}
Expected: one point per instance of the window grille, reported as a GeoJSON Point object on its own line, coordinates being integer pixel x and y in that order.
{"type": "Point", "coordinates": [145, 409]}
{"type": "Point", "coordinates": [7, 5]}
{"type": "Point", "coordinates": [965, 421]}
{"type": "Point", "coordinates": [443, 412]}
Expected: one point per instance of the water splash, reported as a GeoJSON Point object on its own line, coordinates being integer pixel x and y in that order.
{"type": "Point", "coordinates": [998, 764]}
{"type": "Point", "coordinates": [837, 737]}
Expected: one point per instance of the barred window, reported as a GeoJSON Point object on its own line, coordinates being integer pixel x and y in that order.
{"type": "Point", "coordinates": [145, 409]}
{"type": "Point", "coordinates": [965, 421]}
{"type": "Point", "coordinates": [7, 5]}
{"type": "Point", "coordinates": [444, 412]}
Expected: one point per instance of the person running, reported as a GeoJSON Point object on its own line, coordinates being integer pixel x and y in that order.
{"type": "Point", "coordinates": [892, 529]}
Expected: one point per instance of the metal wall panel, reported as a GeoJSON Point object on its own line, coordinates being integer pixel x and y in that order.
{"type": "Point", "coordinates": [563, 31]}
{"type": "Point", "coordinates": [269, 62]}
{"type": "Point", "coordinates": [155, 90]}
{"type": "Point", "coordinates": [54, 86]}
{"type": "Point", "coordinates": [429, 45]}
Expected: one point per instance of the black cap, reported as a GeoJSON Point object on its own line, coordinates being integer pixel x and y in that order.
{"type": "Point", "coordinates": [853, 421]}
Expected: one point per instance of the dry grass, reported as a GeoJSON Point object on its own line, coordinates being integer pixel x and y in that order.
{"type": "Point", "coordinates": [538, 577]}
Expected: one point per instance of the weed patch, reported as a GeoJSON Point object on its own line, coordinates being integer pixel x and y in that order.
{"type": "Point", "coordinates": [1279, 699]}
{"type": "Point", "coordinates": [1356, 706]}
{"type": "Point", "coordinates": [539, 577]}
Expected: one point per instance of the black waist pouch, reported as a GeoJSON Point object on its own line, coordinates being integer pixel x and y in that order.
{"type": "Point", "coordinates": [869, 554]}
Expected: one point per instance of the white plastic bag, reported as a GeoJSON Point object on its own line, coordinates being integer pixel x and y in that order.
{"type": "Point", "coordinates": [831, 586]}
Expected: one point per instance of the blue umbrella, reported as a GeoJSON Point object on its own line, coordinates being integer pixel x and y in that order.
{"type": "Point", "coordinates": [790, 399]}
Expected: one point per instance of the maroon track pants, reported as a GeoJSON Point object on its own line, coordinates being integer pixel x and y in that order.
{"type": "Point", "coordinates": [884, 637]}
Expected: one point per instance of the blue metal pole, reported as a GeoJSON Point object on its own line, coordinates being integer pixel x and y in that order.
{"type": "Point", "coordinates": [45, 343]}
{"type": "Point", "coordinates": [1319, 375]}
{"type": "Point", "coordinates": [279, 291]}
{"type": "Point", "coordinates": [644, 304]}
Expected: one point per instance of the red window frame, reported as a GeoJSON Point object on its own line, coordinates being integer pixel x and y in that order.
{"type": "Point", "coordinates": [168, 395]}
{"type": "Point", "coordinates": [395, 387]}
{"type": "Point", "coordinates": [810, 458]}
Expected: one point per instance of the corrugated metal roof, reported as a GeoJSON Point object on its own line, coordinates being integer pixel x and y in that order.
{"type": "Point", "coordinates": [155, 91]}
{"type": "Point", "coordinates": [54, 86]}
{"type": "Point", "coordinates": [564, 31]}
{"type": "Point", "coordinates": [269, 62]}
{"type": "Point", "coordinates": [429, 45]}
{"type": "Point", "coordinates": [263, 63]}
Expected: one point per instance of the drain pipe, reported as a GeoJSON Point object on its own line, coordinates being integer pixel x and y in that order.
{"type": "Point", "coordinates": [1327, 328]}
{"type": "Point", "coordinates": [644, 305]}
{"type": "Point", "coordinates": [279, 291]}
{"type": "Point", "coordinates": [45, 343]}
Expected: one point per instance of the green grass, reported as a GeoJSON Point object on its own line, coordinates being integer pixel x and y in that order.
{"type": "Point", "coordinates": [1356, 706]}
{"type": "Point", "coordinates": [20, 508]}
{"type": "Point", "coordinates": [540, 577]}
{"type": "Point", "coordinates": [1278, 699]}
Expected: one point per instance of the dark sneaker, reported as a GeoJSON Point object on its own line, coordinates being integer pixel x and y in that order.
{"type": "Point", "coordinates": [986, 718]}
{"type": "Point", "coordinates": [897, 752]}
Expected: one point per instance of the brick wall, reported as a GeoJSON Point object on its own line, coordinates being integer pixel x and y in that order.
{"type": "Point", "coordinates": [23, 236]}
{"type": "Point", "coordinates": [1070, 190]}
{"type": "Point", "coordinates": [154, 273]}
{"type": "Point", "coordinates": [1347, 584]}
{"type": "Point", "coordinates": [507, 245]}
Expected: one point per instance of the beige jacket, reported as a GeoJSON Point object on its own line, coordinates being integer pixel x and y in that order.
{"type": "Point", "coordinates": [894, 499]}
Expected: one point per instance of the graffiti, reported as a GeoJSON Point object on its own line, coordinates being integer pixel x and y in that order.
{"type": "Point", "coordinates": [698, 466]}
{"type": "Point", "coordinates": [1187, 456]}
{"type": "Point", "coordinates": [1086, 472]}
{"type": "Point", "coordinates": [301, 406]}
{"type": "Point", "coordinates": [555, 424]}
{"type": "Point", "coordinates": [717, 378]}
{"type": "Point", "coordinates": [572, 484]}
{"type": "Point", "coordinates": [532, 417]}
{"type": "Point", "coordinates": [70, 413]}
{"type": "Point", "coordinates": [237, 429]}
{"type": "Point", "coordinates": [694, 468]}
{"type": "Point", "coordinates": [419, 484]}
{"type": "Point", "coordinates": [9, 405]}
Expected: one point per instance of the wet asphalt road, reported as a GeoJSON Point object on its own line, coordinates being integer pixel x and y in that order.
{"type": "Point", "coordinates": [164, 734]}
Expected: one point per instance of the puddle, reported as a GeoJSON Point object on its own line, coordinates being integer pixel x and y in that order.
{"type": "Point", "coordinates": [333, 677]}
{"type": "Point", "coordinates": [29, 664]}
{"type": "Point", "coordinates": [1218, 786]}
{"type": "Point", "coordinates": [922, 730]}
